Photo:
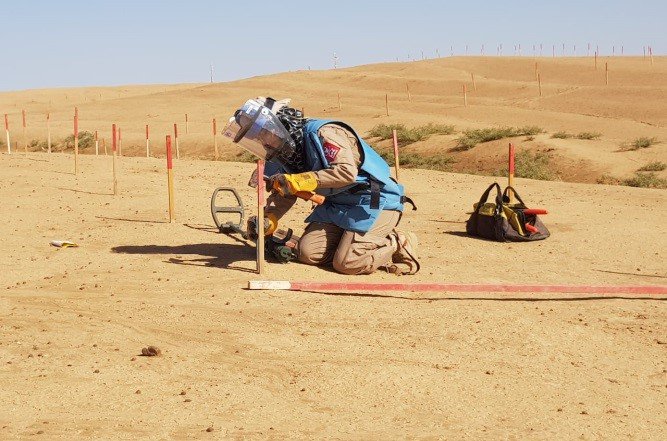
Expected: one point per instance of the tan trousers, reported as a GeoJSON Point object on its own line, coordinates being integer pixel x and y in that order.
{"type": "Point", "coordinates": [349, 252]}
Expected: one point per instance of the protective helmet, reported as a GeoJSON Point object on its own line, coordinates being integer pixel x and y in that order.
{"type": "Point", "coordinates": [256, 128]}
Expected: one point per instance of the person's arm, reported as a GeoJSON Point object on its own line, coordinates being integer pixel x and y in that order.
{"type": "Point", "coordinates": [342, 150]}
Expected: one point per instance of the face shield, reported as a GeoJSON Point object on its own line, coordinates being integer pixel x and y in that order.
{"type": "Point", "coordinates": [255, 128]}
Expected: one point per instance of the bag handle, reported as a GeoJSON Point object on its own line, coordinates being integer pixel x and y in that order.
{"type": "Point", "coordinates": [485, 196]}
{"type": "Point", "coordinates": [506, 195]}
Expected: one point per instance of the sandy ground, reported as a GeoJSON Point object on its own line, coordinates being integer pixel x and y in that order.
{"type": "Point", "coordinates": [304, 365]}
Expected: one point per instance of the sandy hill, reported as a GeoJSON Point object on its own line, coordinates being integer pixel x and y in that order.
{"type": "Point", "coordinates": [239, 364]}
{"type": "Point", "coordinates": [505, 92]}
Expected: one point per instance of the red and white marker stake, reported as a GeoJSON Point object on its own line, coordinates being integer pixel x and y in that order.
{"type": "Point", "coordinates": [355, 287]}
{"type": "Point", "coordinates": [170, 179]}
{"type": "Point", "coordinates": [113, 152]}
{"type": "Point", "coordinates": [215, 138]}
{"type": "Point", "coordinates": [386, 103]}
{"type": "Point", "coordinates": [397, 165]}
{"type": "Point", "coordinates": [148, 148]}
{"type": "Point", "coordinates": [260, 217]}
{"type": "Point", "coordinates": [186, 123]}
{"type": "Point", "coordinates": [510, 170]}
{"type": "Point", "coordinates": [48, 131]}
{"type": "Point", "coordinates": [178, 151]}
{"type": "Point", "coordinates": [9, 144]}
{"type": "Point", "coordinates": [97, 144]}
{"type": "Point", "coordinates": [25, 139]}
{"type": "Point", "coordinates": [76, 140]}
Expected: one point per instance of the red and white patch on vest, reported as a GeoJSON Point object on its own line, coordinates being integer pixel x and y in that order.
{"type": "Point", "coordinates": [330, 150]}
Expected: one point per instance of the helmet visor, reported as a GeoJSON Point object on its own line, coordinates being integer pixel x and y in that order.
{"type": "Point", "coordinates": [255, 128]}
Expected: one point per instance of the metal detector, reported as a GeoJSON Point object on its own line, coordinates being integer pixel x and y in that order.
{"type": "Point", "coordinates": [217, 211]}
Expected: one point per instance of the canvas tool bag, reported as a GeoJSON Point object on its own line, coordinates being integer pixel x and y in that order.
{"type": "Point", "coordinates": [504, 222]}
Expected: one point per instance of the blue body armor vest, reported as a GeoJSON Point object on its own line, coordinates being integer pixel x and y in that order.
{"type": "Point", "coordinates": [357, 206]}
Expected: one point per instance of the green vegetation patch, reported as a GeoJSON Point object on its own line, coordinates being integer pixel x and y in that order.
{"type": "Point", "coordinates": [408, 136]}
{"type": "Point", "coordinates": [653, 167]}
{"type": "Point", "coordinates": [471, 138]}
{"type": "Point", "coordinates": [640, 143]}
{"type": "Point", "coordinates": [646, 180]}
{"type": "Point", "coordinates": [533, 165]}
{"type": "Point", "coordinates": [86, 140]}
{"type": "Point", "coordinates": [436, 161]}
{"type": "Point", "coordinates": [561, 135]}
{"type": "Point", "coordinates": [588, 135]}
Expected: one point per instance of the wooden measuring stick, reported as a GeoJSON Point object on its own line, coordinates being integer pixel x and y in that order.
{"type": "Point", "coordinates": [9, 144]}
{"type": "Point", "coordinates": [148, 148]}
{"type": "Point", "coordinates": [260, 217]}
{"type": "Point", "coordinates": [215, 139]}
{"type": "Point", "coordinates": [48, 131]}
{"type": "Point", "coordinates": [397, 165]}
{"type": "Point", "coordinates": [170, 179]}
{"type": "Point", "coordinates": [113, 152]}
{"type": "Point", "coordinates": [178, 151]}
{"type": "Point", "coordinates": [465, 96]}
{"type": "Point", "coordinates": [76, 140]}
{"type": "Point", "coordinates": [510, 170]}
{"type": "Point", "coordinates": [386, 103]}
{"type": "Point", "coordinates": [97, 144]}
{"type": "Point", "coordinates": [25, 139]}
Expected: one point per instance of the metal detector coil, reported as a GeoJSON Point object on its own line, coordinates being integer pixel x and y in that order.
{"type": "Point", "coordinates": [228, 226]}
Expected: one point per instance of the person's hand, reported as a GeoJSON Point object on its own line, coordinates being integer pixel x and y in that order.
{"type": "Point", "coordinates": [270, 225]}
{"type": "Point", "coordinates": [289, 185]}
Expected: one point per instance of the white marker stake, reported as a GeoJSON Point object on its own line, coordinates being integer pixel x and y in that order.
{"type": "Point", "coordinates": [215, 138]}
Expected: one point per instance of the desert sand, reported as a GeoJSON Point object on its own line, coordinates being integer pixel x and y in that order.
{"type": "Point", "coordinates": [241, 364]}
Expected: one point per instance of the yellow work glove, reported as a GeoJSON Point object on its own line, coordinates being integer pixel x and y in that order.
{"type": "Point", "coordinates": [288, 185]}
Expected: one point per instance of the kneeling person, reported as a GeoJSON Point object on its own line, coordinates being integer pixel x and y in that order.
{"type": "Point", "coordinates": [354, 230]}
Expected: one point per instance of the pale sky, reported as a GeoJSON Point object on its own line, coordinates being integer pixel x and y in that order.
{"type": "Point", "coordinates": [81, 43]}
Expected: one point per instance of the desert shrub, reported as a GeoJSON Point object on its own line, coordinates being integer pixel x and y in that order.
{"type": "Point", "coordinates": [86, 140]}
{"type": "Point", "coordinates": [533, 165]}
{"type": "Point", "coordinates": [561, 135]}
{"type": "Point", "coordinates": [639, 143]}
{"type": "Point", "coordinates": [408, 136]}
{"type": "Point", "coordinates": [529, 138]}
{"type": "Point", "coordinates": [646, 180]}
{"type": "Point", "coordinates": [473, 137]}
{"type": "Point", "coordinates": [608, 180]}
{"type": "Point", "coordinates": [653, 167]}
{"type": "Point", "coordinates": [436, 161]}
{"type": "Point", "coordinates": [589, 135]}
{"type": "Point", "coordinates": [244, 156]}
{"type": "Point", "coordinates": [39, 144]}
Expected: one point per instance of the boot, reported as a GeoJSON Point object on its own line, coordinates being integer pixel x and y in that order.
{"type": "Point", "coordinates": [405, 257]}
